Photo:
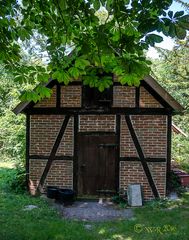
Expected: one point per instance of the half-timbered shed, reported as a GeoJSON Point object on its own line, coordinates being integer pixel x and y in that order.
{"type": "Point", "coordinates": [88, 141]}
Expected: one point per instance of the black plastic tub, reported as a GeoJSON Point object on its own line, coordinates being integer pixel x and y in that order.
{"type": "Point", "coordinates": [52, 192]}
{"type": "Point", "coordinates": [66, 196]}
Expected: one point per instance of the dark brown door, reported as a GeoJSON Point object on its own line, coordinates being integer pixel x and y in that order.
{"type": "Point", "coordinates": [96, 163]}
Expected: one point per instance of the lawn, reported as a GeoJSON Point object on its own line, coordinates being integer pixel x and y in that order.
{"type": "Point", "coordinates": [152, 221]}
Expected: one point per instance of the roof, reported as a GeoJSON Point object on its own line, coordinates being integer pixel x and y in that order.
{"type": "Point", "coordinates": [150, 81]}
{"type": "Point", "coordinates": [23, 105]}
{"type": "Point", "coordinates": [163, 93]}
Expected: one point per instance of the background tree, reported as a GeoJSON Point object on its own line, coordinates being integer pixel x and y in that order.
{"type": "Point", "coordinates": [12, 130]}
{"type": "Point", "coordinates": [172, 71]}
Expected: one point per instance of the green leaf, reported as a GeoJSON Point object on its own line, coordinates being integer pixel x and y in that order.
{"type": "Point", "coordinates": [29, 96]}
{"type": "Point", "coordinates": [118, 70]}
{"type": "Point", "coordinates": [180, 32]}
{"type": "Point", "coordinates": [96, 4]}
{"type": "Point", "coordinates": [178, 14]}
{"type": "Point", "coordinates": [101, 88]}
{"type": "Point", "coordinates": [62, 4]}
{"type": "Point", "coordinates": [172, 30]}
{"type": "Point", "coordinates": [42, 77]}
{"type": "Point", "coordinates": [126, 2]}
{"type": "Point", "coordinates": [184, 18]}
{"type": "Point", "coordinates": [43, 91]}
{"type": "Point", "coordinates": [116, 36]}
{"type": "Point", "coordinates": [90, 80]}
{"type": "Point", "coordinates": [61, 76]}
{"type": "Point", "coordinates": [184, 22]}
{"type": "Point", "coordinates": [74, 72]}
{"type": "Point", "coordinates": [130, 79]}
{"type": "Point", "coordinates": [153, 38]}
{"type": "Point", "coordinates": [170, 14]}
{"type": "Point", "coordinates": [81, 63]}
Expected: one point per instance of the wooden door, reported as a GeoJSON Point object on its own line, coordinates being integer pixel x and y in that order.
{"type": "Point", "coordinates": [96, 163]}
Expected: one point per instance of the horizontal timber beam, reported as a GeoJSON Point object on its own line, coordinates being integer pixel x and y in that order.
{"type": "Point", "coordinates": [82, 111]}
{"type": "Point", "coordinates": [129, 159]}
{"type": "Point", "coordinates": [36, 157]}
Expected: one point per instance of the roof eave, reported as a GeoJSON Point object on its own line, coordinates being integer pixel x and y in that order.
{"type": "Point", "coordinates": [176, 106]}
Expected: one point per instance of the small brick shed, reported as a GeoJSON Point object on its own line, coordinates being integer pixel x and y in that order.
{"type": "Point", "coordinates": [87, 141]}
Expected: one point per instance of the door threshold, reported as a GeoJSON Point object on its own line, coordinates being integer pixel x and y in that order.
{"type": "Point", "coordinates": [88, 198]}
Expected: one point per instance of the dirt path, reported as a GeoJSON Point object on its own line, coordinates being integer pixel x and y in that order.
{"type": "Point", "coordinates": [93, 211]}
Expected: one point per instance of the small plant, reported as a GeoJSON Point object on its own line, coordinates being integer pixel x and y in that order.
{"type": "Point", "coordinates": [159, 203]}
{"type": "Point", "coordinates": [120, 199]}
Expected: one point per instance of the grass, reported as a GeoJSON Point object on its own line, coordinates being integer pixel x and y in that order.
{"type": "Point", "coordinates": [153, 221]}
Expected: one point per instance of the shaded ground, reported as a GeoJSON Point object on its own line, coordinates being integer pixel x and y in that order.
{"type": "Point", "coordinates": [93, 211]}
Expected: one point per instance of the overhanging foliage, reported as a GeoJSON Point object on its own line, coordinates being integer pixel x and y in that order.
{"type": "Point", "coordinates": [106, 38]}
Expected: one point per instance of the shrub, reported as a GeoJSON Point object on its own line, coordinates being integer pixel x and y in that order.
{"type": "Point", "coordinates": [174, 184]}
{"type": "Point", "coordinates": [16, 182]}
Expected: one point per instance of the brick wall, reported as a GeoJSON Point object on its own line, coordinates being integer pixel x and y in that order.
{"type": "Point", "coordinates": [67, 144]}
{"type": "Point", "coordinates": [123, 96]}
{"type": "Point", "coordinates": [44, 130]}
{"type": "Point", "coordinates": [48, 102]}
{"type": "Point", "coordinates": [127, 147]}
{"type": "Point", "coordinates": [147, 100]}
{"type": "Point", "coordinates": [132, 172]}
{"type": "Point", "coordinates": [71, 96]}
{"type": "Point", "coordinates": [151, 131]}
{"type": "Point", "coordinates": [99, 123]}
{"type": "Point", "coordinates": [60, 174]}
{"type": "Point", "coordinates": [152, 134]}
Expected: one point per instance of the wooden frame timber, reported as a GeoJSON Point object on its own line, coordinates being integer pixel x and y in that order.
{"type": "Point", "coordinates": [53, 153]}
{"type": "Point", "coordinates": [169, 134]}
{"type": "Point", "coordinates": [58, 94]}
{"type": "Point", "coordinates": [137, 97]}
{"type": "Point", "coordinates": [142, 157]}
{"type": "Point", "coordinates": [128, 159]}
{"type": "Point", "coordinates": [80, 111]}
{"type": "Point", "coordinates": [27, 148]}
{"type": "Point", "coordinates": [118, 124]}
{"type": "Point", "coordinates": [60, 158]}
{"type": "Point", "coordinates": [75, 162]}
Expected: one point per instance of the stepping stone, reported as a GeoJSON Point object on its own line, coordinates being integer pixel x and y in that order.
{"type": "Point", "coordinates": [30, 207]}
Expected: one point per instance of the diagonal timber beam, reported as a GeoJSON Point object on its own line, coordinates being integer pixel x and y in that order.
{"type": "Point", "coordinates": [141, 156]}
{"type": "Point", "coordinates": [53, 153]}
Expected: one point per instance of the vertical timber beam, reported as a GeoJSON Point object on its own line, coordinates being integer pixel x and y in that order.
{"type": "Point", "coordinates": [137, 97]}
{"type": "Point", "coordinates": [169, 133]}
{"type": "Point", "coordinates": [27, 149]}
{"type": "Point", "coordinates": [141, 156]}
{"type": "Point", "coordinates": [58, 93]}
{"type": "Point", "coordinates": [53, 153]}
{"type": "Point", "coordinates": [118, 122]}
{"type": "Point", "coordinates": [75, 161]}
